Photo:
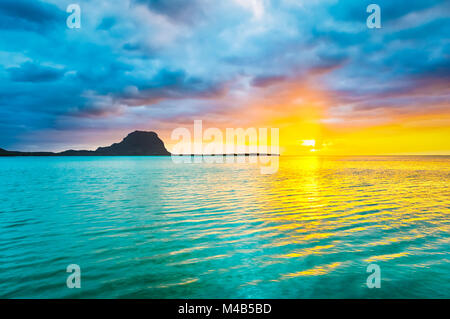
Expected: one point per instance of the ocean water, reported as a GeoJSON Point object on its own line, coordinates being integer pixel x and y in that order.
{"type": "Point", "coordinates": [144, 227]}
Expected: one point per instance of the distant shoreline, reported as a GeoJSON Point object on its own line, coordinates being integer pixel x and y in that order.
{"type": "Point", "coordinates": [45, 154]}
{"type": "Point", "coordinates": [137, 143]}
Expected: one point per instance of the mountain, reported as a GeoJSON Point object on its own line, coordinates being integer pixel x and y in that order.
{"type": "Point", "coordinates": [138, 143]}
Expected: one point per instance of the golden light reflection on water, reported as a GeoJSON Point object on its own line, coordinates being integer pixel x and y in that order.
{"type": "Point", "coordinates": [228, 231]}
{"type": "Point", "coordinates": [324, 206]}
{"type": "Point", "coordinates": [316, 271]}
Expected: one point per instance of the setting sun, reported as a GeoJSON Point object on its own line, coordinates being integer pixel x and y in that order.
{"type": "Point", "coordinates": [309, 143]}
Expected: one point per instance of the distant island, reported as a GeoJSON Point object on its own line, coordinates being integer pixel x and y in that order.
{"type": "Point", "coordinates": [137, 143]}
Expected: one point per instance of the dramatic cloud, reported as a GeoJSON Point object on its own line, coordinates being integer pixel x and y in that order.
{"type": "Point", "coordinates": [28, 15]}
{"type": "Point", "coordinates": [143, 64]}
{"type": "Point", "coordinates": [179, 11]}
{"type": "Point", "coordinates": [29, 72]}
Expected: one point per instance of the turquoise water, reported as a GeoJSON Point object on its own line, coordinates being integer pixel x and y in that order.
{"type": "Point", "coordinates": [144, 227]}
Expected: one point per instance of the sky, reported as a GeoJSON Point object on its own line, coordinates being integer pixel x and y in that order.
{"type": "Point", "coordinates": [311, 68]}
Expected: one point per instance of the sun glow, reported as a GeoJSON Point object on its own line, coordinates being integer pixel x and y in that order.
{"type": "Point", "coordinates": [309, 143]}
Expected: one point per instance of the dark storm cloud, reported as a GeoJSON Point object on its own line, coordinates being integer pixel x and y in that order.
{"type": "Point", "coordinates": [29, 72]}
{"type": "Point", "coordinates": [179, 11]}
{"type": "Point", "coordinates": [29, 15]}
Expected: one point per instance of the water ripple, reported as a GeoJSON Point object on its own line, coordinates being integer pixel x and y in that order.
{"type": "Point", "coordinates": [147, 228]}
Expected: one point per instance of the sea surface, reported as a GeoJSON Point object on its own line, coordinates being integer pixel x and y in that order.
{"type": "Point", "coordinates": [144, 227]}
